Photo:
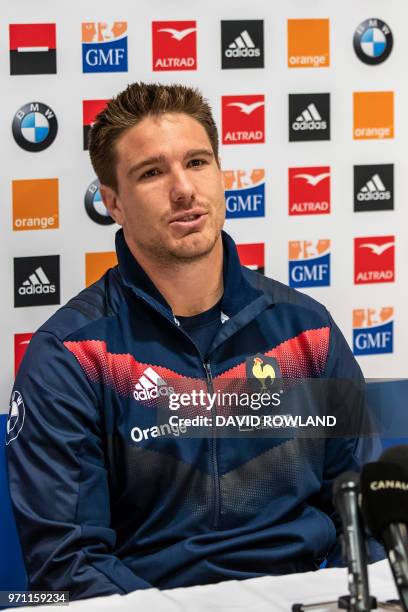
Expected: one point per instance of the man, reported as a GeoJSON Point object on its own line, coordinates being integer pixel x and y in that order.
{"type": "Point", "coordinates": [104, 502]}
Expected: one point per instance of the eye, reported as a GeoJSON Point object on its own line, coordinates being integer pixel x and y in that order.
{"type": "Point", "coordinates": [150, 173]}
{"type": "Point", "coordinates": [197, 162]}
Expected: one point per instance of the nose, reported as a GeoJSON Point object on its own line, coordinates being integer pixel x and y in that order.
{"type": "Point", "coordinates": [181, 187]}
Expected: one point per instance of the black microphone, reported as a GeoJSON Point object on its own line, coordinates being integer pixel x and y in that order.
{"type": "Point", "coordinates": [346, 489]}
{"type": "Point", "coordinates": [384, 486]}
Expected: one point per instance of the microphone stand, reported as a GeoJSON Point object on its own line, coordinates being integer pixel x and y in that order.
{"type": "Point", "coordinates": [397, 537]}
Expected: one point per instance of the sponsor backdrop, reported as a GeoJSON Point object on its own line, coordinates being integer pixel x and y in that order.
{"type": "Point", "coordinates": [311, 105]}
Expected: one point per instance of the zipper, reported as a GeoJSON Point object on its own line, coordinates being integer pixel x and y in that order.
{"type": "Point", "coordinates": [214, 459]}
{"type": "Point", "coordinates": [209, 380]}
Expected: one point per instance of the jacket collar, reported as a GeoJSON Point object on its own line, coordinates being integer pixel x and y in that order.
{"type": "Point", "coordinates": [238, 292]}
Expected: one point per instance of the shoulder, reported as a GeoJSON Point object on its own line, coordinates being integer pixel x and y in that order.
{"type": "Point", "coordinates": [282, 295]}
{"type": "Point", "coordinates": [99, 301]}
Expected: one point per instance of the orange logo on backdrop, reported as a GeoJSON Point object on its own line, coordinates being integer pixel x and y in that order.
{"type": "Point", "coordinates": [96, 265]}
{"type": "Point", "coordinates": [308, 43]}
{"type": "Point", "coordinates": [35, 204]}
{"type": "Point", "coordinates": [373, 115]}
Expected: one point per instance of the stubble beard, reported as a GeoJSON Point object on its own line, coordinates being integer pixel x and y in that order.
{"type": "Point", "coordinates": [184, 253]}
{"type": "Point", "coordinates": [180, 252]}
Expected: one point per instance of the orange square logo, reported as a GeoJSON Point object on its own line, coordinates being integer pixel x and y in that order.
{"type": "Point", "coordinates": [308, 43]}
{"type": "Point", "coordinates": [373, 115]}
{"type": "Point", "coordinates": [35, 204]}
{"type": "Point", "coordinates": [96, 265]}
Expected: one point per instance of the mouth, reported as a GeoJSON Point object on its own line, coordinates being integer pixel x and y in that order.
{"type": "Point", "coordinates": [189, 221]}
{"type": "Point", "coordinates": [187, 218]}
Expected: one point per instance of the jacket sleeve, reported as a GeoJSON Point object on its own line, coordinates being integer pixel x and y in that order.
{"type": "Point", "coordinates": [58, 478]}
{"type": "Point", "coordinates": [358, 442]}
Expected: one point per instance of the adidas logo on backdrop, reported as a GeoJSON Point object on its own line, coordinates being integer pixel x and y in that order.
{"type": "Point", "coordinates": [242, 44]}
{"type": "Point", "coordinates": [36, 280]}
{"type": "Point", "coordinates": [309, 117]}
{"type": "Point", "coordinates": [373, 190]}
{"type": "Point", "coordinates": [373, 187]}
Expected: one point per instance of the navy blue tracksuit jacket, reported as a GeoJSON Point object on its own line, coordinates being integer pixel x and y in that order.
{"type": "Point", "coordinates": [100, 513]}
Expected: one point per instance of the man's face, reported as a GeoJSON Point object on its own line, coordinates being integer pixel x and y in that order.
{"type": "Point", "coordinates": [170, 196]}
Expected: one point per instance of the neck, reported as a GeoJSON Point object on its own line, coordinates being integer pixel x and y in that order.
{"type": "Point", "coordinates": [189, 287]}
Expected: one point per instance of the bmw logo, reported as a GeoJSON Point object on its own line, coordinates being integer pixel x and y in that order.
{"type": "Point", "coordinates": [34, 126]}
{"type": "Point", "coordinates": [95, 207]}
{"type": "Point", "coordinates": [373, 41]}
{"type": "Point", "coordinates": [16, 417]}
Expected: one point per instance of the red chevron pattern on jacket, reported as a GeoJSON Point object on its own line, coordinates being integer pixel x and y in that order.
{"type": "Point", "coordinates": [120, 371]}
{"type": "Point", "coordinates": [303, 356]}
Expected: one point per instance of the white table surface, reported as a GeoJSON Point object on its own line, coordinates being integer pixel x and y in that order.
{"type": "Point", "coordinates": [267, 594]}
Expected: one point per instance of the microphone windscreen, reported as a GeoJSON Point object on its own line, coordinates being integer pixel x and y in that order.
{"type": "Point", "coordinates": [396, 454]}
{"type": "Point", "coordinates": [384, 490]}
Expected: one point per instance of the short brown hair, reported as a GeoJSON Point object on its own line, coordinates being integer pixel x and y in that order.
{"type": "Point", "coordinates": [132, 105]}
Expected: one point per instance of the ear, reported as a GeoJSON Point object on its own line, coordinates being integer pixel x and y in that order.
{"type": "Point", "coordinates": [112, 203]}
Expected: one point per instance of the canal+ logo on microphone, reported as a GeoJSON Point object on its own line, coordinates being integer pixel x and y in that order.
{"type": "Point", "coordinates": [373, 330]}
{"type": "Point", "coordinates": [244, 193]}
{"type": "Point", "coordinates": [309, 263]}
{"type": "Point", "coordinates": [104, 47]}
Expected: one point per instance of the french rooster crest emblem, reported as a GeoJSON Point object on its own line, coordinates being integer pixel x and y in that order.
{"type": "Point", "coordinates": [264, 369]}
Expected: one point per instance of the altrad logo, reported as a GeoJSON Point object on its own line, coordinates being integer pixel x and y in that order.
{"type": "Point", "coordinates": [374, 259]}
{"type": "Point", "coordinates": [174, 45]}
{"type": "Point", "coordinates": [243, 119]}
{"type": "Point", "coordinates": [309, 190]}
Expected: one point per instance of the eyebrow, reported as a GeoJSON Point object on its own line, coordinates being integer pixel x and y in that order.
{"type": "Point", "coordinates": [159, 159]}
